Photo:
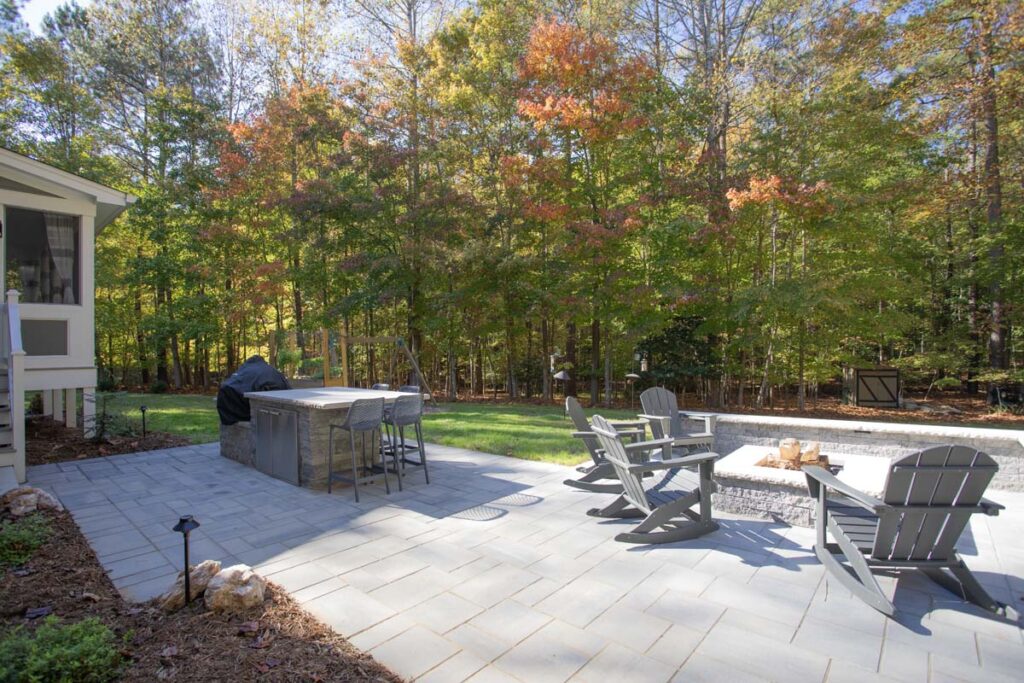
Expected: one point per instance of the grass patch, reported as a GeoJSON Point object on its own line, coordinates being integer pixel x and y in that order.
{"type": "Point", "coordinates": [189, 415]}
{"type": "Point", "coordinates": [19, 539]}
{"type": "Point", "coordinates": [521, 431]}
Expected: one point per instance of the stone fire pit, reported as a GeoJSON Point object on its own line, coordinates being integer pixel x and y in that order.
{"type": "Point", "coordinates": [747, 488]}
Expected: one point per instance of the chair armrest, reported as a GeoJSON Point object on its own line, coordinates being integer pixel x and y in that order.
{"type": "Point", "coordinates": [685, 461]}
{"type": "Point", "coordinates": [627, 423]}
{"type": "Point", "coordinates": [646, 445]}
{"type": "Point", "coordinates": [582, 435]}
{"type": "Point", "coordinates": [819, 476]}
{"type": "Point", "coordinates": [990, 507]}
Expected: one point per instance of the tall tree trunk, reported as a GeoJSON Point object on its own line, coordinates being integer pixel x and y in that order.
{"type": "Point", "coordinates": [608, 389]}
{"type": "Point", "coordinates": [545, 343]}
{"type": "Point", "coordinates": [478, 378]}
{"type": "Point", "coordinates": [161, 342]}
{"type": "Point", "coordinates": [175, 351]}
{"type": "Point", "coordinates": [997, 356]}
{"type": "Point", "coordinates": [297, 308]}
{"type": "Point", "coordinates": [570, 358]}
{"type": "Point", "coordinates": [140, 337]}
{"type": "Point", "coordinates": [595, 360]}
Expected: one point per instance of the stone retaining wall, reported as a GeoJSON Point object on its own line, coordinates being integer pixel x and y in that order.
{"type": "Point", "coordinates": [884, 439]}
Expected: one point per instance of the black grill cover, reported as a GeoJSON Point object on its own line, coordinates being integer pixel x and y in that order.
{"type": "Point", "coordinates": [254, 374]}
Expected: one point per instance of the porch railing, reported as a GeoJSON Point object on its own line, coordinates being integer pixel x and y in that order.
{"type": "Point", "coordinates": [12, 354]}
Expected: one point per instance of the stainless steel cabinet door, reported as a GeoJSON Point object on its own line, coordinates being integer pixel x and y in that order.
{"type": "Point", "coordinates": [277, 444]}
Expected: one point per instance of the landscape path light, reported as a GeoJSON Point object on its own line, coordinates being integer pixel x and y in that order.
{"type": "Point", "coordinates": [186, 525]}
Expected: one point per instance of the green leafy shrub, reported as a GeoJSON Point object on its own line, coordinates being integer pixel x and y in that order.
{"type": "Point", "coordinates": [158, 387]}
{"type": "Point", "coordinates": [86, 651]}
{"type": "Point", "coordinates": [288, 358]}
{"type": "Point", "coordinates": [20, 539]}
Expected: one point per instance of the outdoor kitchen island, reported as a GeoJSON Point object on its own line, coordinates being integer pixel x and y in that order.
{"type": "Point", "coordinates": [288, 436]}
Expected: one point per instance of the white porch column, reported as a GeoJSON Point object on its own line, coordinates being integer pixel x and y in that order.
{"type": "Point", "coordinates": [89, 411]}
{"type": "Point", "coordinates": [71, 407]}
{"type": "Point", "coordinates": [58, 405]}
{"type": "Point", "coordinates": [47, 402]}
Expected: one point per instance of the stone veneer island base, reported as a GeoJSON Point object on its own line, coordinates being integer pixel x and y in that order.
{"type": "Point", "coordinates": [288, 437]}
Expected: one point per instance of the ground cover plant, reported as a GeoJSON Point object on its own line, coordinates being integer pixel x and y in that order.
{"type": "Point", "coordinates": [84, 651]}
{"type": "Point", "coordinates": [20, 538]}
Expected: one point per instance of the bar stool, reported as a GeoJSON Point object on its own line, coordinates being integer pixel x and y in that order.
{"type": "Point", "coordinates": [406, 411]}
{"type": "Point", "coordinates": [364, 417]}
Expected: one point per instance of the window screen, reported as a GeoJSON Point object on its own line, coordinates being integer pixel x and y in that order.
{"type": "Point", "coordinates": [43, 256]}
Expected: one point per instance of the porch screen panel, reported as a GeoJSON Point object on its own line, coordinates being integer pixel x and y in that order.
{"type": "Point", "coordinates": [43, 256]}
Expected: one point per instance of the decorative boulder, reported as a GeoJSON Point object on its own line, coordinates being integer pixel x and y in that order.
{"type": "Point", "coordinates": [235, 589]}
{"type": "Point", "coordinates": [200, 577]}
{"type": "Point", "coordinates": [26, 499]}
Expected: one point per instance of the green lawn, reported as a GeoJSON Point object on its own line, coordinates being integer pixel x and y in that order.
{"type": "Point", "coordinates": [528, 432]}
{"type": "Point", "coordinates": [191, 416]}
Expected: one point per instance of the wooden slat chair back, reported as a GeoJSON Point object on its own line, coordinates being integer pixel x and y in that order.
{"type": "Point", "coordinates": [601, 469]}
{"type": "Point", "coordinates": [662, 402]}
{"type": "Point", "coordinates": [666, 503]}
{"type": "Point", "coordinates": [926, 504]}
{"type": "Point", "coordinates": [615, 453]}
{"type": "Point", "coordinates": [932, 495]}
{"type": "Point", "coordinates": [579, 422]}
{"type": "Point", "coordinates": [661, 410]}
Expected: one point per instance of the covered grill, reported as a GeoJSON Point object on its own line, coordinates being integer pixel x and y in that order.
{"type": "Point", "coordinates": [254, 374]}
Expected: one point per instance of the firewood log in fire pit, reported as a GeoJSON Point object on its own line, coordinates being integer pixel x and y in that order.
{"type": "Point", "coordinates": [792, 456]}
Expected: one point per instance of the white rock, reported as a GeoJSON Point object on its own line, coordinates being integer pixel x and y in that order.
{"type": "Point", "coordinates": [45, 501]}
{"type": "Point", "coordinates": [24, 504]}
{"type": "Point", "coordinates": [199, 578]}
{"type": "Point", "coordinates": [235, 589]}
{"type": "Point", "coordinates": [26, 499]}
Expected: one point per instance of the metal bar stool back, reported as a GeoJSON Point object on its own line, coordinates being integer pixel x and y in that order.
{"type": "Point", "coordinates": [364, 416]}
{"type": "Point", "coordinates": [406, 411]}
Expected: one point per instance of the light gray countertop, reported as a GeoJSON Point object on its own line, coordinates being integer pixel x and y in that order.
{"type": "Point", "coordinates": [326, 398]}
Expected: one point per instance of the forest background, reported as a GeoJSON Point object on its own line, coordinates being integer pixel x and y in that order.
{"type": "Point", "coordinates": [731, 197]}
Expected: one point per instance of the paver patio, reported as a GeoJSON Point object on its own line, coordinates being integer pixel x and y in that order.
{"type": "Point", "coordinates": [494, 572]}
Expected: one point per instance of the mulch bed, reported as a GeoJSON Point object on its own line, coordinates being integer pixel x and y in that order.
{"type": "Point", "coordinates": [276, 642]}
{"type": "Point", "coordinates": [47, 440]}
{"type": "Point", "coordinates": [974, 411]}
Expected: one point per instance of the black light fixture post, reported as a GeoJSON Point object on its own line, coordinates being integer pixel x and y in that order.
{"type": "Point", "coordinates": [143, 410]}
{"type": "Point", "coordinates": [186, 524]}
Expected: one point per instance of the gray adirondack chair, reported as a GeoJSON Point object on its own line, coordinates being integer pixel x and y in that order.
{"type": "Point", "coordinates": [666, 503]}
{"type": "Point", "coordinates": [927, 502]}
{"type": "Point", "coordinates": [662, 412]}
{"type": "Point", "coordinates": [601, 468]}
